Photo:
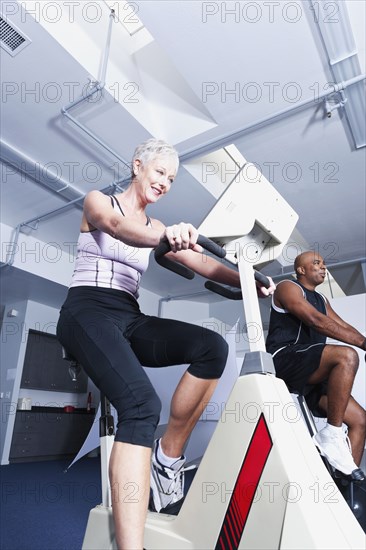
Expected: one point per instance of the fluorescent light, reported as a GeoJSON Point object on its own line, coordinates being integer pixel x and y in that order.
{"type": "Point", "coordinates": [339, 43]}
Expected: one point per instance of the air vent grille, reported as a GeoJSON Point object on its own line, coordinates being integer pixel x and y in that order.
{"type": "Point", "coordinates": [11, 39]}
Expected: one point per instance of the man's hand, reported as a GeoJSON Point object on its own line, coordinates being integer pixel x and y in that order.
{"type": "Point", "coordinates": [264, 292]}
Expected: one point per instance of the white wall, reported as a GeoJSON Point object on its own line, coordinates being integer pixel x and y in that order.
{"type": "Point", "coordinates": [149, 302]}
{"type": "Point", "coordinates": [43, 259]}
{"type": "Point", "coordinates": [352, 309]}
{"type": "Point", "coordinates": [184, 310]}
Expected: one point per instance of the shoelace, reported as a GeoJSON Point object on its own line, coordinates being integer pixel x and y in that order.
{"type": "Point", "coordinates": [175, 477]}
{"type": "Point", "coordinates": [346, 438]}
{"type": "Point", "coordinates": [190, 467]}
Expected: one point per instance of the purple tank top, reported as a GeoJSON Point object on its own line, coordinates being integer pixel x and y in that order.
{"type": "Point", "coordinates": [103, 261]}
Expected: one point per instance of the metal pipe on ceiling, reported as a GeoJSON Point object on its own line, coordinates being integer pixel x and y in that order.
{"type": "Point", "coordinates": [97, 87]}
{"type": "Point", "coordinates": [13, 245]}
{"type": "Point", "coordinates": [227, 139]}
{"type": "Point", "coordinates": [37, 172]}
{"type": "Point", "coordinates": [217, 143]}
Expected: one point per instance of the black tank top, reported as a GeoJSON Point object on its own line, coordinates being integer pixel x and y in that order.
{"type": "Point", "coordinates": [285, 329]}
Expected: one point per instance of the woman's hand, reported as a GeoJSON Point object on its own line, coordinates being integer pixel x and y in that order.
{"type": "Point", "coordinates": [181, 236]}
{"type": "Point", "coordinates": [264, 292]}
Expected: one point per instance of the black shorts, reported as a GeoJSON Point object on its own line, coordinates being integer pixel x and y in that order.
{"type": "Point", "coordinates": [294, 365]}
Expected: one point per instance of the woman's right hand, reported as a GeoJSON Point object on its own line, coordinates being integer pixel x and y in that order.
{"type": "Point", "coordinates": [181, 236]}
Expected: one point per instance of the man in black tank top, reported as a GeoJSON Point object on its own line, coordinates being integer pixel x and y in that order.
{"type": "Point", "coordinates": [301, 320]}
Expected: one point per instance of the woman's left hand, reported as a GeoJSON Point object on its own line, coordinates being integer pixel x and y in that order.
{"type": "Point", "coordinates": [264, 292]}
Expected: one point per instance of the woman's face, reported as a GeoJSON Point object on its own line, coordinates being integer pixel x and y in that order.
{"type": "Point", "coordinates": [155, 177]}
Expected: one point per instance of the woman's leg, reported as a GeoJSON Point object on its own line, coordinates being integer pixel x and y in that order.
{"type": "Point", "coordinates": [106, 356]}
{"type": "Point", "coordinates": [129, 474]}
{"type": "Point", "coordinates": [189, 400]}
{"type": "Point", "coordinates": [164, 342]}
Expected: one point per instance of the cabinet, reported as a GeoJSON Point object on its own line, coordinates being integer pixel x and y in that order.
{"type": "Point", "coordinates": [45, 369]}
{"type": "Point", "coordinates": [47, 433]}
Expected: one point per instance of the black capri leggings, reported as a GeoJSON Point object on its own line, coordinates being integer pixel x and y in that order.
{"type": "Point", "coordinates": [109, 336]}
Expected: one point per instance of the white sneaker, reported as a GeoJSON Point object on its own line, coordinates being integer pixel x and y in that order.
{"type": "Point", "coordinates": [337, 450]}
{"type": "Point", "coordinates": [166, 484]}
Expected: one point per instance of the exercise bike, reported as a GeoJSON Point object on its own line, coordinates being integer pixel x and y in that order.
{"type": "Point", "coordinates": [261, 483]}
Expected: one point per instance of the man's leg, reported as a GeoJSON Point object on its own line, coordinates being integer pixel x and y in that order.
{"type": "Point", "coordinates": [339, 365]}
{"type": "Point", "coordinates": [355, 419]}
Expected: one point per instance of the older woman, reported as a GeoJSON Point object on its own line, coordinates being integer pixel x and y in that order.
{"type": "Point", "coordinates": [102, 326]}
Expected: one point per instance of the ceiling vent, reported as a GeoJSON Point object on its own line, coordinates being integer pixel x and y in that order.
{"type": "Point", "coordinates": [11, 39]}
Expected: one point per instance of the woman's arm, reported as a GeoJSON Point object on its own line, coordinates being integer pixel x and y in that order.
{"type": "Point", "coordinates": [213, 269]}
{"type": "Point", "coordinates": [99, 214]}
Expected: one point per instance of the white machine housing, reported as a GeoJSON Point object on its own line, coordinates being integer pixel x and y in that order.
{"type": "Point", "coordinates": [251, 214]}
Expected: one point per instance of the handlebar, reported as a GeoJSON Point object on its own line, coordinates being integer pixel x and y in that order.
{"type": "Point", "coordinates": [164, 247]}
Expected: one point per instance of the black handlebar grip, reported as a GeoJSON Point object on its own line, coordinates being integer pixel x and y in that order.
{"type": "Point", "coordinates": [262, 279]}
{"type": "Point", "coordinates": [235, 294]}
{"type": "Point", "coordinates": [160, 251]}
{"type": "Point", "coordinates": [224, 291]}
{"type": "Point", "coordinates": [164, 247]}
{"type": "Point", "coordinates": [211, 246]}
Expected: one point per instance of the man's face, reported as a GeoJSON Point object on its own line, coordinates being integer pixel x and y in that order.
{"type": "Point", "coordinates": [313, 268]}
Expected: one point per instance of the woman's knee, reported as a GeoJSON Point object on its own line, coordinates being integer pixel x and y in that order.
{"type": "Point", "coordinates": [211, 358]}
{"type": "Point", "coordinates": [222, 352]}
{"type": "Point", "coordinates": [137, 422]}
{"type": "Point", "coordinates": [151, 408]}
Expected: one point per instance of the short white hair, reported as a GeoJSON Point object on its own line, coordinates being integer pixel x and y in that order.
{"type": "Point", "coordinates": [153, 148]}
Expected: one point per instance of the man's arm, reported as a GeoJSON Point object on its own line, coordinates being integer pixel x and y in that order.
{"type": "Point", "coordinates": [289, 296]}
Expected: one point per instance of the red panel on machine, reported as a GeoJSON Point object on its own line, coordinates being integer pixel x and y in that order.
{"type": "Point", "coordinates": [245, 487]}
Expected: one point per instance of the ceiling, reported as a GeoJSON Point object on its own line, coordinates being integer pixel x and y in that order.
{"type": "Point", "coordinates": [201, 75]}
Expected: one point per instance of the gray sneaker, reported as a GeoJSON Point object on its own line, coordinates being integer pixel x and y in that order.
{"type": "Point", "coordinates": [166, 484]}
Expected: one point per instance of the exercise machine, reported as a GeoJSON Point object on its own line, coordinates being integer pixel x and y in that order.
{"type": "Point", "coordinates": [261, 483]}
